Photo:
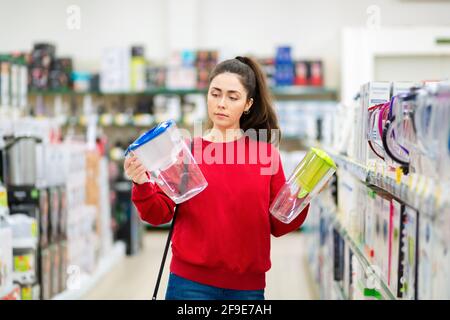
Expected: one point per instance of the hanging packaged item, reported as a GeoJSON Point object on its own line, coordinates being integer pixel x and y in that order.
{"type": "Point", "coordinates": [310, 176]}
{"type": "Point", "coordinates": [168, 159]}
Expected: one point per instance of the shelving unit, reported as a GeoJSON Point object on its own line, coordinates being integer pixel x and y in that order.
{"type": "Point", "coordinates": [412, 192]}
{"type": "Point", "coordinates": [88, 282]}
{"type": "Point", "coordinates": [281, 92]}
{"type": "Point", "coordinates": [359, 253]}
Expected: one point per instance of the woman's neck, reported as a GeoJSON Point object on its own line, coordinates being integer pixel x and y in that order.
{"type": "Point", "coordinates": [223, 135]}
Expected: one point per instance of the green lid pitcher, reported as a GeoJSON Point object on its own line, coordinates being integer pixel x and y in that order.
{"type": "Point", "coordinates": [308, 178]}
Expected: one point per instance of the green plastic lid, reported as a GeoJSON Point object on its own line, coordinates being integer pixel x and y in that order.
{"type": "Point", "coordinates": [315, 166]}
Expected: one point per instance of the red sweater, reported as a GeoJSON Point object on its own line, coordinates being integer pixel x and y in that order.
{"type": "Point", "coordinates": [222, 235]}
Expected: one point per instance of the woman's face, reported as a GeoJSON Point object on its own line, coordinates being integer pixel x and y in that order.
{"type": "Point", "coordinates": [227, 100]}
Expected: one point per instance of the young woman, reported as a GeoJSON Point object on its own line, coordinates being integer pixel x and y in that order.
{"type": "Point", "coordinates": [221, 239]}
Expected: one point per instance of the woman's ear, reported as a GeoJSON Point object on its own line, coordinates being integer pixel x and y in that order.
{"type": "Point", "coordinates": [248, 105]}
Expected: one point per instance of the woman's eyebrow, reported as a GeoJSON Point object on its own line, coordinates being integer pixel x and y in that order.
{"type": "Point", "coordinates": [229, 91]}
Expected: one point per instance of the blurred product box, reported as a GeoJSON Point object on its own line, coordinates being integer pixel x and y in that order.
{"type": "Point", "coordinates": [205, 63]}
{"type": "Point", "coordinates": [155, 77]}
{"type": "Point", "coordinates": [138, 65]}
{"type": "Point", "coordinates": [60, 77]}
{"type": "Point", "coordinates": [6, 257]}
{"type": "Point", "coordinates": [181, 78]}
{"type": "Point", "coordinates": [115, 70]}
{"type": "Point", "coordinates": [42, 57]}
{"type": "Point", "coordinates": [81, 81]}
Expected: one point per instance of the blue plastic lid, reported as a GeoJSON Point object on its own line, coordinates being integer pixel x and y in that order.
{"type": "Point", "coordinates": [149, 135]}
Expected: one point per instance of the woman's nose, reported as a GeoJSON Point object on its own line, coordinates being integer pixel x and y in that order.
{"type": "Point", "coordinates": [222, 102]}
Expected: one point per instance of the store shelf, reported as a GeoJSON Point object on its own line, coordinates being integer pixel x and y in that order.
{"type": "Point", "coordinates": [358, 170]}
{"type": "Point", "coordinates": [88, 282]}
{"type": "Point", "coordinates": [284, 91]}
{"type": "Point", "coordinates": [356, 249]}
{"type": "Point", "coordinates": [296, 91]}
{"type": "Point", "coordinates": [412, 193]}
{"type": "Point", "coordinates": [118, 121]}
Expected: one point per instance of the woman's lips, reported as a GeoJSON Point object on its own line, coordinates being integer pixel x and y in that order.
{"type": "Point", "coordinates": [221, 115]}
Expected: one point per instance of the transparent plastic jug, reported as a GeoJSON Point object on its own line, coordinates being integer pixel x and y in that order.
{"type": "Point", "coordinates": [164, 153]}
{"type": "Point", "coordinates": [311, 174]}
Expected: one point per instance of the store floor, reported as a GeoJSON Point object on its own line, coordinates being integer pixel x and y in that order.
{"type": "Point", "coordinates": [134, 277]}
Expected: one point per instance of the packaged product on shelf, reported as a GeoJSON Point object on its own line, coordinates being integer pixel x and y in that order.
{"type": "Point", "coordinates": [155, 77]}
{"type": "Point", "coordinates": [179, 78]}
{"type": "Point", "coordinates": [369, 224]}
{"type": "Point", "coordinates": [115, 70]}
{"type": "Point", "coordinates": [386, 219]}
{"type": "Point", "coordinates": [205, 62]}
{"type": "Point", "coordinates": [347, 272]}
{"type": "Point", "coordinates": [378, 243]}
{"type": "Point", "coordinates": [441, 256]}
{"type": "Point", "coordinates": [372, 93]}
{"type": "Point", "coordinates": [44, 235]}
{"type": "Point", "coordinates": [357, 279]}
{"type": "Point", "coordinates": [42, 56]}
{"type": "Point", "coordinates": [5, 74]}
{"type": "Point", "coordinates": [408, 255]}
{"type": "Point", "coordinates": [338, 257]}
{"type": "Point", "coordinates": [433, 257]}
{"type": "Point", "coordinates": [358, 218]}
{"type": "Point", "coordinates": [284, 67]}
{"type": "Point", "coordinates": [14, 84]}
{"type": "Point", "coordinates": [63, 266]}
{"type": "Point", "coordinates": [6, 256]}
{"type": "Point", "coordinates": [24, 264]}
{"type": "Point", "coordinates": [54, 212]}
{"type": "Point", "coordinates": [347, 210]}
{"type": "Point", "coordinates": [401, 87]}
{"type": "Point", "coordinates": [302, 69]}
{"type": "Point", "coordinates": [24, 229]}
{"type": "Point", "coordinates": [45, 273]}
{"type": "Point", "coordinates": [4, 210]}
{"type": "Point", "coordinates": [60, 77]}
{"type": "Point", "coordinates": [30, 291]}
{"type": "Point", "coordinates": [137, 67]}
{"type": "Point", "coordinates": [55, 268]}
{"type": "Point", "coordinates": [267, 64]}
{"type": "Point", "coordinates": [425, 268]}
{"type": "Point", "coordinates": [81, 81]}
{"type": "Point", "coordinates": [316, 73]}
{"type": "Point", "coordinates": [394, 264]}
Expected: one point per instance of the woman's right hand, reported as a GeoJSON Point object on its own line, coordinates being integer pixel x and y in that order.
{"type": "Point", "coordinates": [135, 170]}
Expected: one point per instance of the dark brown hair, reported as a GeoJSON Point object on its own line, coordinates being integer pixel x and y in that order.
{"type": "Point", "coordinates": [262, 114]}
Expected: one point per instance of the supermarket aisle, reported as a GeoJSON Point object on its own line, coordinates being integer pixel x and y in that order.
{"type": "Point", "coordinates": [134, 278]}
